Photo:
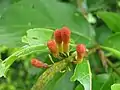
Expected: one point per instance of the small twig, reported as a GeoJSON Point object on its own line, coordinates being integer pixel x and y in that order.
{"type": "Point", "coordinates": [112, 66]}
{"type": "Point", "coordinates": [108, 54]}
{"type": "Point", "coordinates": [106, 61]}
{"type": "Point", "coordinates": [102, 57]}
{"type": "Point", "coordinates": [81, 4]}
{"type": "Point", "coordinates": [93, 50]}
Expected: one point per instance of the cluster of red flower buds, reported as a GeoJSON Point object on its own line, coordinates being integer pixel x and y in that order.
{"type": "Point", "coordinates": [60, 44]}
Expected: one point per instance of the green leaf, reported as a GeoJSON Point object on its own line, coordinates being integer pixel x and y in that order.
{"type": "Point", "coordinates": [4, 4]}
{"type": "Point", "coordinates": [83, 74]}
{"type": "Point", "coordinates": [108, 83]}
{"type": "Point", "coordinates": [94, 5]}
{"type": "Point", "coordinates": [59, 80]}
{"type": "Point", "coordinates": [102, 34]}
{"type": "Point", "coordinates": [112, 50]}
{"type": "Point", "coordinates": [115, 87]}
{"type": "Point", "coordinates": [116, 76]}
{"type": "Point", "coordinates": [113, 41]}
{"type": "Point", "coordinates": [102, 81]}
{"type": "Point", "coordinates": [22, 52]}
{"type": "Point", "coordinates": [38, 36]}
{"type": "Point", "coordinates": [111, 19]}
{"type": "Point", "coordinates": [79, 87]}
{"type": "Point", "coordinates": [27, 14]}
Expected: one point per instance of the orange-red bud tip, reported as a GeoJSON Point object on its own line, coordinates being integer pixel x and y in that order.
{"type": "Point", "coordinates": [52, 46]}
{"type": "Point", "coordinates": [81, 50]}
{"type": "Point", "coordinates": [38, 64]}
{"type": "Point", "coordinates": [57, 35]}
{"type": "Point", "coordinates": [65, 34]}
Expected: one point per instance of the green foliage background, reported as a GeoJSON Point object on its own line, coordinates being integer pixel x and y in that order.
{"type": "Point", "coordinates": [102, 28]}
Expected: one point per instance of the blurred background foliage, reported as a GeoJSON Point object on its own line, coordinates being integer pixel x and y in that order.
{"type": "Point", "coordinates": [17, 16]}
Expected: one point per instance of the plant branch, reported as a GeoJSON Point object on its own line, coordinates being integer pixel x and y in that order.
{"type": "Point", "coordinates": [103, 59]}
{"type": "Point", "coordinates": [106, 61]}
{"type": "Point", "coordinates": [93, 50]}
{"type": "Point", "coordinates": [112, 66]}
{"type": "Point", "coordinates": [50, 72]}
{"type": "Point", "coordinates": [56, 67]}
{"type": "Point", "coordinates": [82, 6]}
{"type": "Point", "coordinates": [48, 75]}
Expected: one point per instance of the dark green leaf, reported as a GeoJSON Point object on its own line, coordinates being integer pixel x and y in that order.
{"type": "Point", "coordinates": [102, 81]}
{"type": "Point", "coordinates": [82, 74]}
{"type": "Point", "coordinates": [4, 4]}
{"type": "Point", "coordinates": [112, 44]}
{"type": "Point", "coordinates": [59, 80]}
{"type": "Point", "coordinates": [113, 41]}
{"type": "Point", "coordinates": [79, 87]}
{"type": "Point", "coordinates": [111, 19]}
{"type": "Point", "coordinates": [102, 33]}
{"type": "Point", "coordinates": [94, 5]}
{"type": "Point", "coordinates": [28, 14]}
{"type": "Point", "coordinates": [108, 83]}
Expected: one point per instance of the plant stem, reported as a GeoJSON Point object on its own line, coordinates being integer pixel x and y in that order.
{"type": "Point", "coordinates": [102, 57]}
{"type": "Point", "coordinates": [48, 75]}
{"type": "Point", "coordinates": [82, 9]}
{"type": "Point", "coordinates": [50, 72]}
{"type": "Point", "coordinates": [105, 59]}
{"type": "Point", "coordinates": [112, 66]}
{"type": "Point", "coordinates": [93, 50]}
{"type": "Point", "coordinates": [56, 67]}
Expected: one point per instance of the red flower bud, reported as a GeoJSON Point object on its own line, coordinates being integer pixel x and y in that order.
{"type": "Point", "coordinates": [57, 35]}
{"type": "Point", "coordinates": [58, 39]}
{"type": "Point", "coordinates": [52, 47]}
{"type": "Point", "coordinates": [38, 64]}
{"type": "Point", "coordinates": [65, 34]}
{"type": "Point", "coordinates": [81, 50]}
